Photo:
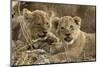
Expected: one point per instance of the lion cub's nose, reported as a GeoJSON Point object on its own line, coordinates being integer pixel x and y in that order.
{"type": "Point", "coordinates": [45, 32]}
{"type": "Point", "coordinates": [68, 34]}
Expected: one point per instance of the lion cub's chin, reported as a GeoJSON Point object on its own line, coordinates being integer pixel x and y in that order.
{"type": "Point", "coordinates": [69, 43]}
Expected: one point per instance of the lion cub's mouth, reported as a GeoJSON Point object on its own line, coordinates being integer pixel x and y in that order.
{"type": "Point", "coordinates": [68, 39]}
{"type": "Point", "coordinates": [42, 34]}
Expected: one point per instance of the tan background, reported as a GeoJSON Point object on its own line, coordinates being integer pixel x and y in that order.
{"type": "Point", "coordinates": [86, 12]}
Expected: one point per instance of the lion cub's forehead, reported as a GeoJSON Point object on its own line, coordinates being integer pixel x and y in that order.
{"type": "Point", "coordinates": [67, 20]}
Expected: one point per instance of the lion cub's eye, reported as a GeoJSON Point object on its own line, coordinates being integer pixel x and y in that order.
{"type": "Point", "coordinates": [47, 23]}
{"type": "Point", "coordinates": [62, 27]}
{"type": "Point", "coordinates": [71, 26]}
{"type": "Point", "coordinates": [38, 23]}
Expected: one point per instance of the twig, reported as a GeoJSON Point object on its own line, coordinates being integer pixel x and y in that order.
{"type": "Point", "coordinates": [19, 13]}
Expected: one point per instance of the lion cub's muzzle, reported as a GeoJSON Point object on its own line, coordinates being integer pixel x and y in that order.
{"type": "Point", "coordinates": [68, 38]}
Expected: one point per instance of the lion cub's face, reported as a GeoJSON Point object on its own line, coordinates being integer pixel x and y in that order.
{"type": "Point", "coordinates": [37, 22]}
{"type": "Point", "coordinates": [68, 29]}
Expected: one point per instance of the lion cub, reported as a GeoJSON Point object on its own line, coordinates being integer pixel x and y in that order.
{"type": "Point", "coordinates": [33, 24]}
{"type": "Point", "coordinates": [77, 44]}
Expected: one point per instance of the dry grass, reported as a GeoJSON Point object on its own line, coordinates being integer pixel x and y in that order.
{"type": "Point", "coordinates": [23, 53]}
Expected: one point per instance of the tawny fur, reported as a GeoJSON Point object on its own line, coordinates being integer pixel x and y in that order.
{"type": "Point", "coordinates": [76, 48]}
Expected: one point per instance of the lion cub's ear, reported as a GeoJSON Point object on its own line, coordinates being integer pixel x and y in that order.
{"type": "Point", "coordinates": [27, 13]}
{"type": "Point", "coordinates": [55, 22]}
{"type": "Point", "coordinates": [77, 20]}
